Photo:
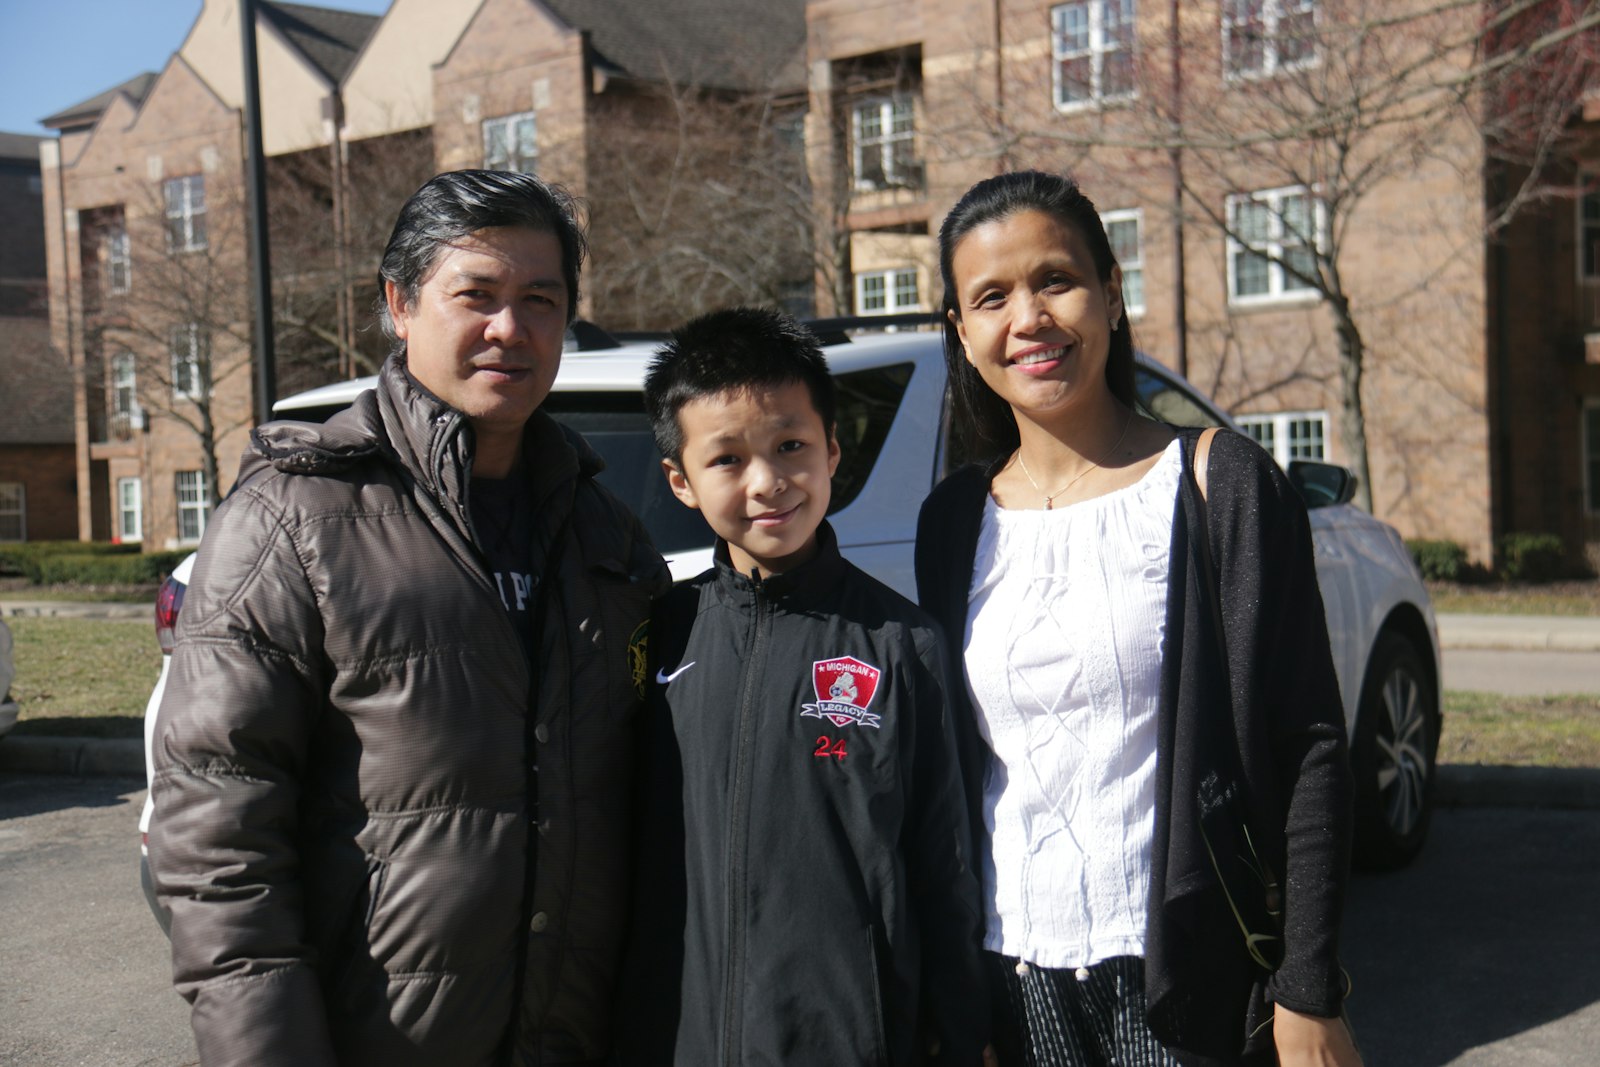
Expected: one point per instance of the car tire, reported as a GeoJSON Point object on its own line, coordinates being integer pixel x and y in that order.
{"type": "Point", "coordinates": [1394, 755]}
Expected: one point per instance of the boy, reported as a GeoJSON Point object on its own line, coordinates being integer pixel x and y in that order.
{"type": "Point", "coordinates": [804, 893]}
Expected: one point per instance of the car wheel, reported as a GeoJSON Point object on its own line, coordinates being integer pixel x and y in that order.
{"type": "Point", "coordinates": [1393, 756]}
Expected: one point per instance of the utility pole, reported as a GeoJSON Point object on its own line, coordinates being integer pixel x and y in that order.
{"type": "Point", "coordinates": [256, 182]}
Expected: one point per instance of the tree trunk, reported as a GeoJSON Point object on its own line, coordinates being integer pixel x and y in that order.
{"type": "Point", "coordinates": [1352, 420]}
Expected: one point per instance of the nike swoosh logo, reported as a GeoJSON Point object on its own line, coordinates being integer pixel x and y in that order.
{"type": "Point", "coordinates": [662, 677]}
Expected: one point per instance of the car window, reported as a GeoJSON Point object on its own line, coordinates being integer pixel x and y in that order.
{"type": "Point", "coordinates": [616, 426]}
{"type": "Point", "coordinates": [1167, 401]}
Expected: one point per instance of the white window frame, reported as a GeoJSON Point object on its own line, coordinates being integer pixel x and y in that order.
{"type": "Point", "coordinates": [1588, 227]}
{"type": "Point", "coordinates": [130, 505]}
{"type": "Point", "coordinates": [893, 290]}
{"type": "Point", "coordinates": [1591, 455]}
{"type": "Point", "coordinates": [186, 213]}
{"type": "Point", "coordinates": [1282, 288]}
{"type": "Point", "coordinates": [191, 500]}
{"type": "Point", "coordinates": [1132, 266]}
{"type": "Point", "coordinates": [1101, 44]}
{"type": "Point", "coordinates": [514, 158]}
{"type": "Point", "coordinates": [13, 506]}
{"type": "Point", "coordinates": [119, 261]}
{"type": "Point", "coordinates": [187, 350]}
{"type": "Point", "coordinates": [1273, 14]}
{"type": "Point", "coordinates": [124, 384]}
{"type": "Point", "coordinates": [889, 109]}
{"type": "Point", "coordinates": [1284, 437]}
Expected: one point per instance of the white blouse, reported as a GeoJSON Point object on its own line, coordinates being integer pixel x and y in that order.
{"type": "Point", "coordinates": [1065, 622]}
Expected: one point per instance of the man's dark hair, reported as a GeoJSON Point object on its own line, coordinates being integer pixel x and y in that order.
{"type": "Point", "coordinates": [982, 414]}
{"type": "Point", "coordinates": [737, 350]}
{"type": "Point", "coordinates": [458, 203]}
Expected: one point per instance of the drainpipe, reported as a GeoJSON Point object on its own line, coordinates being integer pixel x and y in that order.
{"type": "Point", "coordinates": [343, 301]}
{"type": "Point", "coordinates": [256, 176]}
{"type": "Point", "coordinates": [1180, 310]}
{"type": "Point", "coordinates": [1000, 83]}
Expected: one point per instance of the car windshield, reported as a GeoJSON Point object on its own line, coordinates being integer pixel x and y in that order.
{"type": "Point", "coordinates": [616, 426]}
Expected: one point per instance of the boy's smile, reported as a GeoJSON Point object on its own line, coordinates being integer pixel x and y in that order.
{"type": "Point", "coordinates": [757, 463]}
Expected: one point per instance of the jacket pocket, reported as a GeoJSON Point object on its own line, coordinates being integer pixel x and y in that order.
{"type": "Point", "coordinates": [355, 970]}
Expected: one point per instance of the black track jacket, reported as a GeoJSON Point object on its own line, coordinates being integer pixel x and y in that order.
{"type": "Point", "coordinates": [805, 893]}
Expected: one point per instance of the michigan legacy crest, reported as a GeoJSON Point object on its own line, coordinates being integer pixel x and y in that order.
{"type": "Point", "coordinates": [845, 687]}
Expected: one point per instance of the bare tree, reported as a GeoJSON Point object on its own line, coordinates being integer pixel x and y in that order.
{"type": "Point", "coordinates": [1325, 106]}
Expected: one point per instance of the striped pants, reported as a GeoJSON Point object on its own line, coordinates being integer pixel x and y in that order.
{"type": "Point", "coordinates": [1051, 1018]}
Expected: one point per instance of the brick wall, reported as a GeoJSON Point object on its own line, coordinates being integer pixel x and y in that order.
{"type": "Point", "coordinates": [48, 474]}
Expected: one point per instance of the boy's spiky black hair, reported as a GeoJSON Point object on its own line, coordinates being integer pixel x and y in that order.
{"type": "Point", "coordinates": [732, 351]}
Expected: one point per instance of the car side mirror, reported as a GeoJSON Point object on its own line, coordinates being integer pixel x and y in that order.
{"type": "Point", "coordinates": [1322, 485]}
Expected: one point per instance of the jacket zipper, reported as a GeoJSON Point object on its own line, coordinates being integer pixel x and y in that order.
{"type": "Point", "coordinates": [739, 831]}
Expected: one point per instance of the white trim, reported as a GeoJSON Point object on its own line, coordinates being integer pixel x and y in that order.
{"type": "Point", "coordinates": [1279, 438]}
{"type": "Point", "coordinates": [893, 281]}
{"type": "Point", "coordinates": [200, 506]}
{"type": "Point", "coordinates": [1130, 265]}
{"type": "Point", "coordinates": [185, 212]}
{"type": "Point", "coordinates": [1279, 289]}
{"type": "Point", "coordinates": [195, 388]}
{"type": "Point", "coordinates": [1099, 44]}
{"type": "Point", "coordinates": [118, 255]}
{"type": "Point", "coordinates": [892, 109]}
{"type": "Point", "coordinates": [514, 159]}
{"type": "Point", "coordinates": [135, 508]}
{"type": "Point", "coordinates": [1272, 12]}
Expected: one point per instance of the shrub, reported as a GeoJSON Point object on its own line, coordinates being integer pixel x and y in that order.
{"type": "Point", "coordinates": [26, 558]}
{"type": "Point", "coordinates": [1532, 557]}
{"type": "Point", "coordinates": [1439, 561]}
{"type": "Point", "coordinates": [98, 567]}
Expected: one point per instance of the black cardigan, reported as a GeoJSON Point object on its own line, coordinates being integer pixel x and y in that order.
{"type": "Point", "coordinates": [1283, 751]}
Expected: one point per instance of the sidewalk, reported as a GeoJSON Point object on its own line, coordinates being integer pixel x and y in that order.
{"type": "Point", "coordinates": [1457, 785]}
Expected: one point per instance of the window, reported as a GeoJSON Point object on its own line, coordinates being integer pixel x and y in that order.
{"type": "Point", "coordinates": [130, 510]}
{"type": "Point", "coordinates": [119, 263]}
{"type": "Point", "coordinates": [1589, 229]}
{"type": "Point", "coordinates": [511, 143]}
{"type": "Point", "coordinates": [1091, 51]}
{"type": "Point", "coordinates": [186, 213]}
{"type": "Point", "coordinates": [1290, 435]}
{"type": "Point", "coordinates": [13, 512]}
{"type": "Point", "coordinates": [193, 507]}
{"type": "Point", "coordinates": [1272, 241]}
{"type": "Point", "coordinates": [883, 132]}
{"type": "Point", "coordinates": [1591, 455]}
{"type": "Point", "coordinates": [1261, 37]}
{"type": "Point", "coordinates": [1122, 229]}
{"type": "Point", "coordinates": [124, 398]}
{"type": "Point", "coordinates": [186, 355]}
{"type": "Point", "coordinates": [887, 292]}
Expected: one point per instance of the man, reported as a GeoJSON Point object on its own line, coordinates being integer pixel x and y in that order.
{"type": "Point", "coordinates": [392, 761]}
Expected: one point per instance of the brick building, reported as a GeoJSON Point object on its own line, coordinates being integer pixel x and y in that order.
{"type": "Point", "coordinates": [144, 201]}
{"type": "Point", "coordinates": [1480, 407]}
{"type": "Point", "coordinates": [36, 468]}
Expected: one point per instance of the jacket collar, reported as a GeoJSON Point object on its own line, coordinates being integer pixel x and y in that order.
{"type": "Point", "coordinates": [805, 584]}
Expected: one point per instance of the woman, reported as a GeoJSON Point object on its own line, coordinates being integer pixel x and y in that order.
{"type": "Point", "coordinates": [1160, 766]}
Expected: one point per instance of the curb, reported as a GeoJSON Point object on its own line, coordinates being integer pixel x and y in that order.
{"type": "Point", "coordinates": [1520, 633]}
{"type": "Point", "coordinates": [69, 609]}
{"type": "Point", "coordinates": [78, 756]}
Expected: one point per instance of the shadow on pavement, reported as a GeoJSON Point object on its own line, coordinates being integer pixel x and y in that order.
{"type": "Point", "coordinates": [22, 795]}
{"type": "Point", "coordinates": [1491, 933]}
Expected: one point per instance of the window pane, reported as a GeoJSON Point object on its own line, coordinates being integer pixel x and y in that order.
{"type": "Point", "coordinates": [870, 170]}
{"type": "Point", "coordinates": [1117, 74]}
{"type": "Point", "coordinates": [1261, 430]}
{"type": "Point", "coordinates": [905, 289]}
{"type": "Point", "coordinates": [1297, 219]}
{"type": "Point", "coordinates": [1250, 274]}
{"type": "Point", "coordinates": [873, 295]}
{"type": "Point", "coordinates": [869, 120]}
{"type": "Point", "coordinates": [1306, 438]}
{"type": "Point", "coordinates": [1076, 79]}
{"type": "Point", "coordinates": [1124, 237]}
{"type": "Point", "coordinates": [1299, 259]}
{"type": "Point", "coordinates": [1133, 288]}
{"type": "Point", "coordinates": [1072, 28]}
{"type": "Point", "coordinates": [1252, 221]}
{"type": "Point", "coordinates": [901, 121]}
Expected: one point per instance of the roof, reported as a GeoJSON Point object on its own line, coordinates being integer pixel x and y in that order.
{"type": "Point", "coordinates": [20, 146]}
{"type": "Point", "coordinates": [329, 39]}
{"type": "Point", "coordinates": [85, 112]}
{"type": "Point", "coordinates": [732, 44]}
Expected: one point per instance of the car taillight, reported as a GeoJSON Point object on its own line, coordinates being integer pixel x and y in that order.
{"type": "Point", "coordinates": [168, 603]}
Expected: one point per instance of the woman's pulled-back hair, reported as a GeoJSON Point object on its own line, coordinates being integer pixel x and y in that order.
{"type": "Point", "coordinates": [981, 415]}
{"type": "Point", "coordinates": [458, 203]}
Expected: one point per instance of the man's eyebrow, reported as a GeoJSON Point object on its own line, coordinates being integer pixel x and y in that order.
{"type": "Point", "coordinates": [467, 277]}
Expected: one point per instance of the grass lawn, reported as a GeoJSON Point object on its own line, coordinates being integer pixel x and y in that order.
{"type": "Point", "coordinates": [1554, 598]}
{"type": "Point", "coordinates": [83, 677]}
{"type": "Point", "coordinates": [1546, 731]}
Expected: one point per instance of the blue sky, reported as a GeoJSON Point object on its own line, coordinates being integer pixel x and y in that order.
{"type": "Point", "coordinates": [54, 53]}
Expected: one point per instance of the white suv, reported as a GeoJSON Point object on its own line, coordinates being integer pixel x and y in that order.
{"type": "Point", "coordinates": [894, 433]}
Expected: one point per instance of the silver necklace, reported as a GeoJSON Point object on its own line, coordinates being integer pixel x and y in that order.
{"type": "Point", "coordinates": [1049, 498]}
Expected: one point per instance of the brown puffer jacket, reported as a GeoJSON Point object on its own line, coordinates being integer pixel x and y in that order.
{"type": "Point", "coordinates": [342, 758]}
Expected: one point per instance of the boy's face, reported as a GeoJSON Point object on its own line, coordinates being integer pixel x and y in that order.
{"type": "Point", "coordinates": [757, 464]}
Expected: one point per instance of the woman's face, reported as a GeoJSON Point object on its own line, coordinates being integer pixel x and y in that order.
{"type": "Point", "coordinates": [1033, 315]}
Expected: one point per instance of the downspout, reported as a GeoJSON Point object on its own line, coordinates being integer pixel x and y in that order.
{"type": "Point", "coordinates": [344, 309]}
{"type": "Point", "coordinates": [1180, 310]}
{"type": "Point", "coordinates": [1000, 84]}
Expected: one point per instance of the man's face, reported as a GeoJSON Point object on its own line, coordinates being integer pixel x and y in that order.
{"type": "Point", "coordinates": [484, 334]}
